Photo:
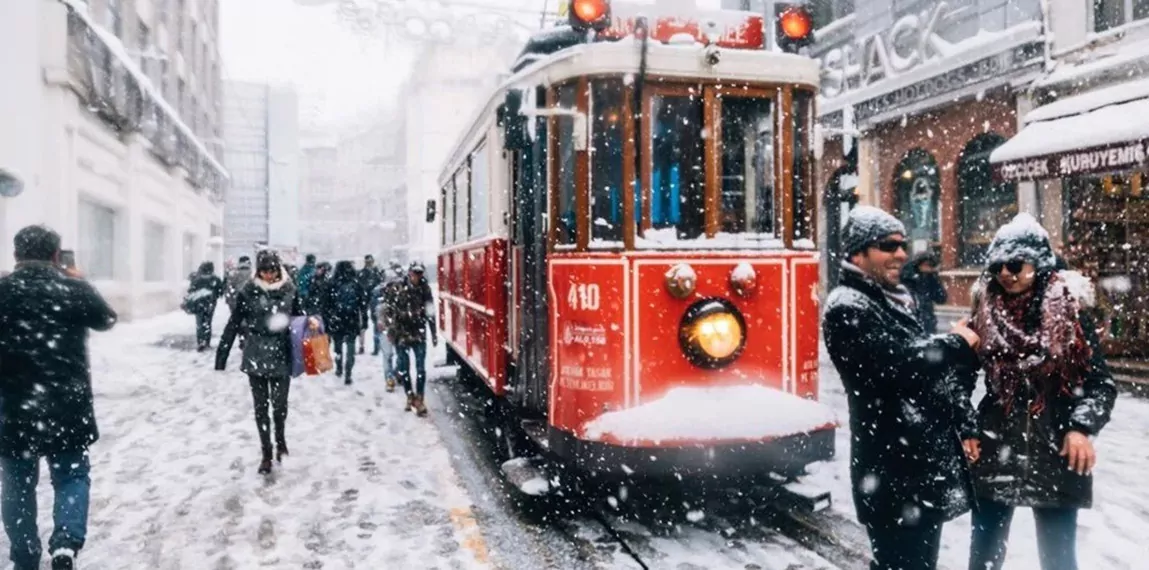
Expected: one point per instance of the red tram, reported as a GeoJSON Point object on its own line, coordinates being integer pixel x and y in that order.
{"type": "Point", "coordinates": [628, 263]}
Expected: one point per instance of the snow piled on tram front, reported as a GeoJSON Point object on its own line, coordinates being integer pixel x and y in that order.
{"type": "Point", "coordinates": [713, 413]}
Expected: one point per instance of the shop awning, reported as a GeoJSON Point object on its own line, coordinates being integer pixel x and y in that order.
{"type": "Point", "coordinates": [1103, 131]}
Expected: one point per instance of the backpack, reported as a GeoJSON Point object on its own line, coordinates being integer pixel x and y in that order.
{"type": "Point", "coordinates": [347, 298]}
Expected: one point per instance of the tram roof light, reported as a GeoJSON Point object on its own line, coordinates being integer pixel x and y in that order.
{"type": "Point", "coordinates": [589, 15]}
{"type": "Point", "coordinates": [794, 28]}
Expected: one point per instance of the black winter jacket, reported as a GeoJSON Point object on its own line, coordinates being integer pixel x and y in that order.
{"type": "Point", "coordinates": [45, 375]}
{"type": "Point", "coordinates": [907, 410]}
{"type": "Point", "coordinates": [928, 291]}
{"type": "Point", "coordinates": [262, 314]}
{"type": "Point", "coordinates": [344, 320]}
{"type": "Point", "coordinates": [407, 308]}
{"type": "Point", "coordinates": [204, 292]}
{"type": "Point", "coordinates": [1020, 462]}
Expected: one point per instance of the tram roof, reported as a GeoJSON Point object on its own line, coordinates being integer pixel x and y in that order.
{"type": "Point", "coordinates": [560, 54]}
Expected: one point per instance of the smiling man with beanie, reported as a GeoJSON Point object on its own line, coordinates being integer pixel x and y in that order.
{"type": "Point", "coordinates": [908, 411]}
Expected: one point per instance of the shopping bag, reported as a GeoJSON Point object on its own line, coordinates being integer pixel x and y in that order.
{"type": "Point", "coordinates": [299, 332]}
{"type": "Point", "coordinates": [317, 354]}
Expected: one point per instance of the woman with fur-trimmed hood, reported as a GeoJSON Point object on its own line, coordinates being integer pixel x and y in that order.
{"type": "Point", "coordinates": [1048, 392]}
{"type": "Point", "coordinates": [263, 311]}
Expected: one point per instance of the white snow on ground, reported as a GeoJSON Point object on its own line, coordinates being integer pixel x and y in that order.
{"type": "Point", "coordinates": [714, 413]}
{"type": "Point", "coordinates": [174, 482]}
{"type": "Point", "coordinates": [1111, 534]}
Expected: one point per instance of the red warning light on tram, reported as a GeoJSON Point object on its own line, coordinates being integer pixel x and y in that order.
{"type": "Point", "coordinates": [793, 27]}
{"type": "Point", "coordinates": [589, 15]}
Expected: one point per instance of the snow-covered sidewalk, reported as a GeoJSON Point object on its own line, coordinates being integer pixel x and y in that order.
{"type": "Point", "coordinates": [1112, 535]}
{"type": "Point", "coordinates": [174, 482]}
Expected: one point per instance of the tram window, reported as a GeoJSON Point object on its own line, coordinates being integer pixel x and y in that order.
{"type": "Point", "coordinates": [480, 191]}
{"type": "Point", "coordinates": [747, 165]}
{"type": "Point", "coordinates": [678, 177]}
{"type": "Point", "coordinates": [606, 160]}
{"type": "Point", "coordinates": [566, 160]}
{"type": "Point", "coordinates": [803, 178]}
{"type": "Point", "coordinates": [445, 216]}
{"type": "Point", "coordinates": [462, 204]}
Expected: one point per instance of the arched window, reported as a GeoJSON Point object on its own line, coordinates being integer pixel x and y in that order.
{"type": "Point", "coordinates": [917, 186]}
{"type": "Point", "coordinates": [984, 205]}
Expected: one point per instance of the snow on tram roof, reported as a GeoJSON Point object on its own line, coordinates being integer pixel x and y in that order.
{"type": "Point", "coordinates": [622, 57]}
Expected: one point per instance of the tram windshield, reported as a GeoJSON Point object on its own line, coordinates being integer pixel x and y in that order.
{"type": "Point", "coordinates": [708, 170]}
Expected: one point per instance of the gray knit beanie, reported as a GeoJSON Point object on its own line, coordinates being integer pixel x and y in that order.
{"type": "Point", "coordinates": [867, 225]}
{"type": "Point", "coordinates": [1022, 239]}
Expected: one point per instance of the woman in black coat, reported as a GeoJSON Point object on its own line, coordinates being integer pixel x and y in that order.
{"type": "Point", "coordinates": [204, 291]}
{"type": "Point", "coordinates": [263, 312]}
{"type": "Point", "coordinates": [1048, 391]}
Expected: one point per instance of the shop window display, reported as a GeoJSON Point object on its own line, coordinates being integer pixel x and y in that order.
{"type": "Point", "coordinates": [984, 205]}
{"type": "Point", "coordinates": [917, 186]}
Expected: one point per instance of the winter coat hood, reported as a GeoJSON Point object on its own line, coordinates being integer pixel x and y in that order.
{"type": "Point", "coordinates": [206, 268]}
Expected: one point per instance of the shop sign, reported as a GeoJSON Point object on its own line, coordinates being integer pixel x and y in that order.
{"type": "Point", "coordinates": [1097, 160]}
{"type": "Point", "coordinates": [911, 41]}
{"type": "Point", "coordinates": [967, 75]}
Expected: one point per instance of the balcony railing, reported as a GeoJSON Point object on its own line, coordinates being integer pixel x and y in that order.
{"type": "Point", "coordinates": [119, 93]}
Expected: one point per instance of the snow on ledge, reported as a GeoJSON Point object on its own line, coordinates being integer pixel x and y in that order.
{"type": "Point", "coordinates": [713, 413]}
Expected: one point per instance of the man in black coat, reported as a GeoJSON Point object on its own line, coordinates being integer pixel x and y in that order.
{"type": "Point", "coordinates": [204, 291]}
{"type": "Point", "coordinates": [46, 395]}
{"type": "Point", "coordinates": [908, 413]}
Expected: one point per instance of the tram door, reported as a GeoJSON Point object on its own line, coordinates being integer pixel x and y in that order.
{"type": "Point", "coordinates": [529, 326]}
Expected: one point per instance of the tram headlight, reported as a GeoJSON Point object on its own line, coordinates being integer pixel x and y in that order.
{"type": "Point", "coordinates": [712, 333]}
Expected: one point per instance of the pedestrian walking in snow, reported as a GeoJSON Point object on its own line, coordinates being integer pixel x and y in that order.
{"type": "Point", "coordinates": [305, 276]}
{"type": "Point", "coordinates": [263, 312]}
{"type": "Point", "coordinates": [906, 403]}
{"type": "Point", "coordinates": [369, 278]}
{"type": "Point", "coordinates": [1048, 392]}
{"type": "Point", "coordinates": [385, 297]}
{"type": "Point", "coordinates": [407, 317]}
{"type": "Point", "coordinates": [203, 294]}
{"type": "Point", "coordinates": [920, 276]}
{"type": "Point", "coordinates": [46, 406]}
{"type": "Point", "coordinates": [320, 283]}
{"type": "Point", "coordinates": [236, 279]}
{"type": "Point", "coordinates": [346, 303]}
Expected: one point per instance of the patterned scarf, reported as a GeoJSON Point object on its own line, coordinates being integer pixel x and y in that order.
{"type": "Point", "coordinates": [1051, 360]}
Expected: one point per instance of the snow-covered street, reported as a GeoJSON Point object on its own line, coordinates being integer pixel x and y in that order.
{"type": "Point", "coordinates": [1111, 535]}
{"type": "Point", "coordinates": [174, 482]}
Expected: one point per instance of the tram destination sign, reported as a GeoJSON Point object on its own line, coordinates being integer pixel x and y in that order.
{"type": "Point", "coordinates": [968, 75]}
{"type": "Point", "coordinates": [1114, 157]}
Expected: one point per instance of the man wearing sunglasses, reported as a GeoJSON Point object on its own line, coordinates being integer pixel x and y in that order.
{"type": "Point", "coordinates": [908, 408]}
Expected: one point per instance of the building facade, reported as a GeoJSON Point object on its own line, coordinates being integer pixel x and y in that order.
{"type": "Point", "coordinates": [1085, 149]}
{"type": "Point", "coordinates": [353, 200]}
{"type": "Point", "coordinates": [261, 136]}
{"type": "Point", "coordinates": [920, 93]}
{"type": "Point", "coordinates": [111, 152]}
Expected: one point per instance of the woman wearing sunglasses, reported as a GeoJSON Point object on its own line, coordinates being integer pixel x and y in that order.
{"type": "Point", "coordinates": [1048, 392]}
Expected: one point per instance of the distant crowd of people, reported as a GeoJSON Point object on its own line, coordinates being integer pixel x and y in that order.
{"type": "Point", "coordinates": [395, 304]}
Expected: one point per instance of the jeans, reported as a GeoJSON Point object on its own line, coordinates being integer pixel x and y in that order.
{"type": "Point", "coordinates": [376, 337]}
{"type": "Point", "coordinates": [1056, 536]}
{"type": "Point", "coordinates": [905, 548]}
{"type": "Point", "coordinates": [403, 362]}
{"type": "Point", "coordinates": [273, 390]}
{"type": "Point", "coordinates": [72, 485]}
{"type": "Point", "coordinates": [341, 342]}
{"type": "Point", "coordinates": [388, 351]}
{"type": "Point", "coordinates": [203, 329]}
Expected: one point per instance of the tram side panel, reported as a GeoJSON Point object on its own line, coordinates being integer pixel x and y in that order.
{"type": "Point", "coordinates": [805, 316]}
{"type": "Point", "coordinates": [473, 305]}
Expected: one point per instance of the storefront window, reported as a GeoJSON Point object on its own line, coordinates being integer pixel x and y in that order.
{"type": "Point", "coordinates": [747, 165]}
{"type": "Point", "coordinates": [678, 174]}
{"type": "Point", "coordinates": [917, 186]}
{"type": "Point", "coordinates": [1107, 239]}
{"type": "Point", "coordinates": [606, 183]}
{"type": "Point", "coordinates": [984, 205]}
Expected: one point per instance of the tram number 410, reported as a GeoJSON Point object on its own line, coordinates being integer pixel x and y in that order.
{"type": "Point", "coordinates": [584, 297]}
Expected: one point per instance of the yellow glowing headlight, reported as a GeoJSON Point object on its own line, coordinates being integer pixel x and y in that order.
{"type": "Point", "coordinates": [712, 333]}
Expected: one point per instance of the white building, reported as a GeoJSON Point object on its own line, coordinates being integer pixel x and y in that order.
{"type": "Point", "coordinates": [353, 200]}
{"type": "Point", "coordinates": [261, 135]}
{"type": "Point", "coordinates": [104, 158]}
{"type": "Point", "coordinates": [453, 81]}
